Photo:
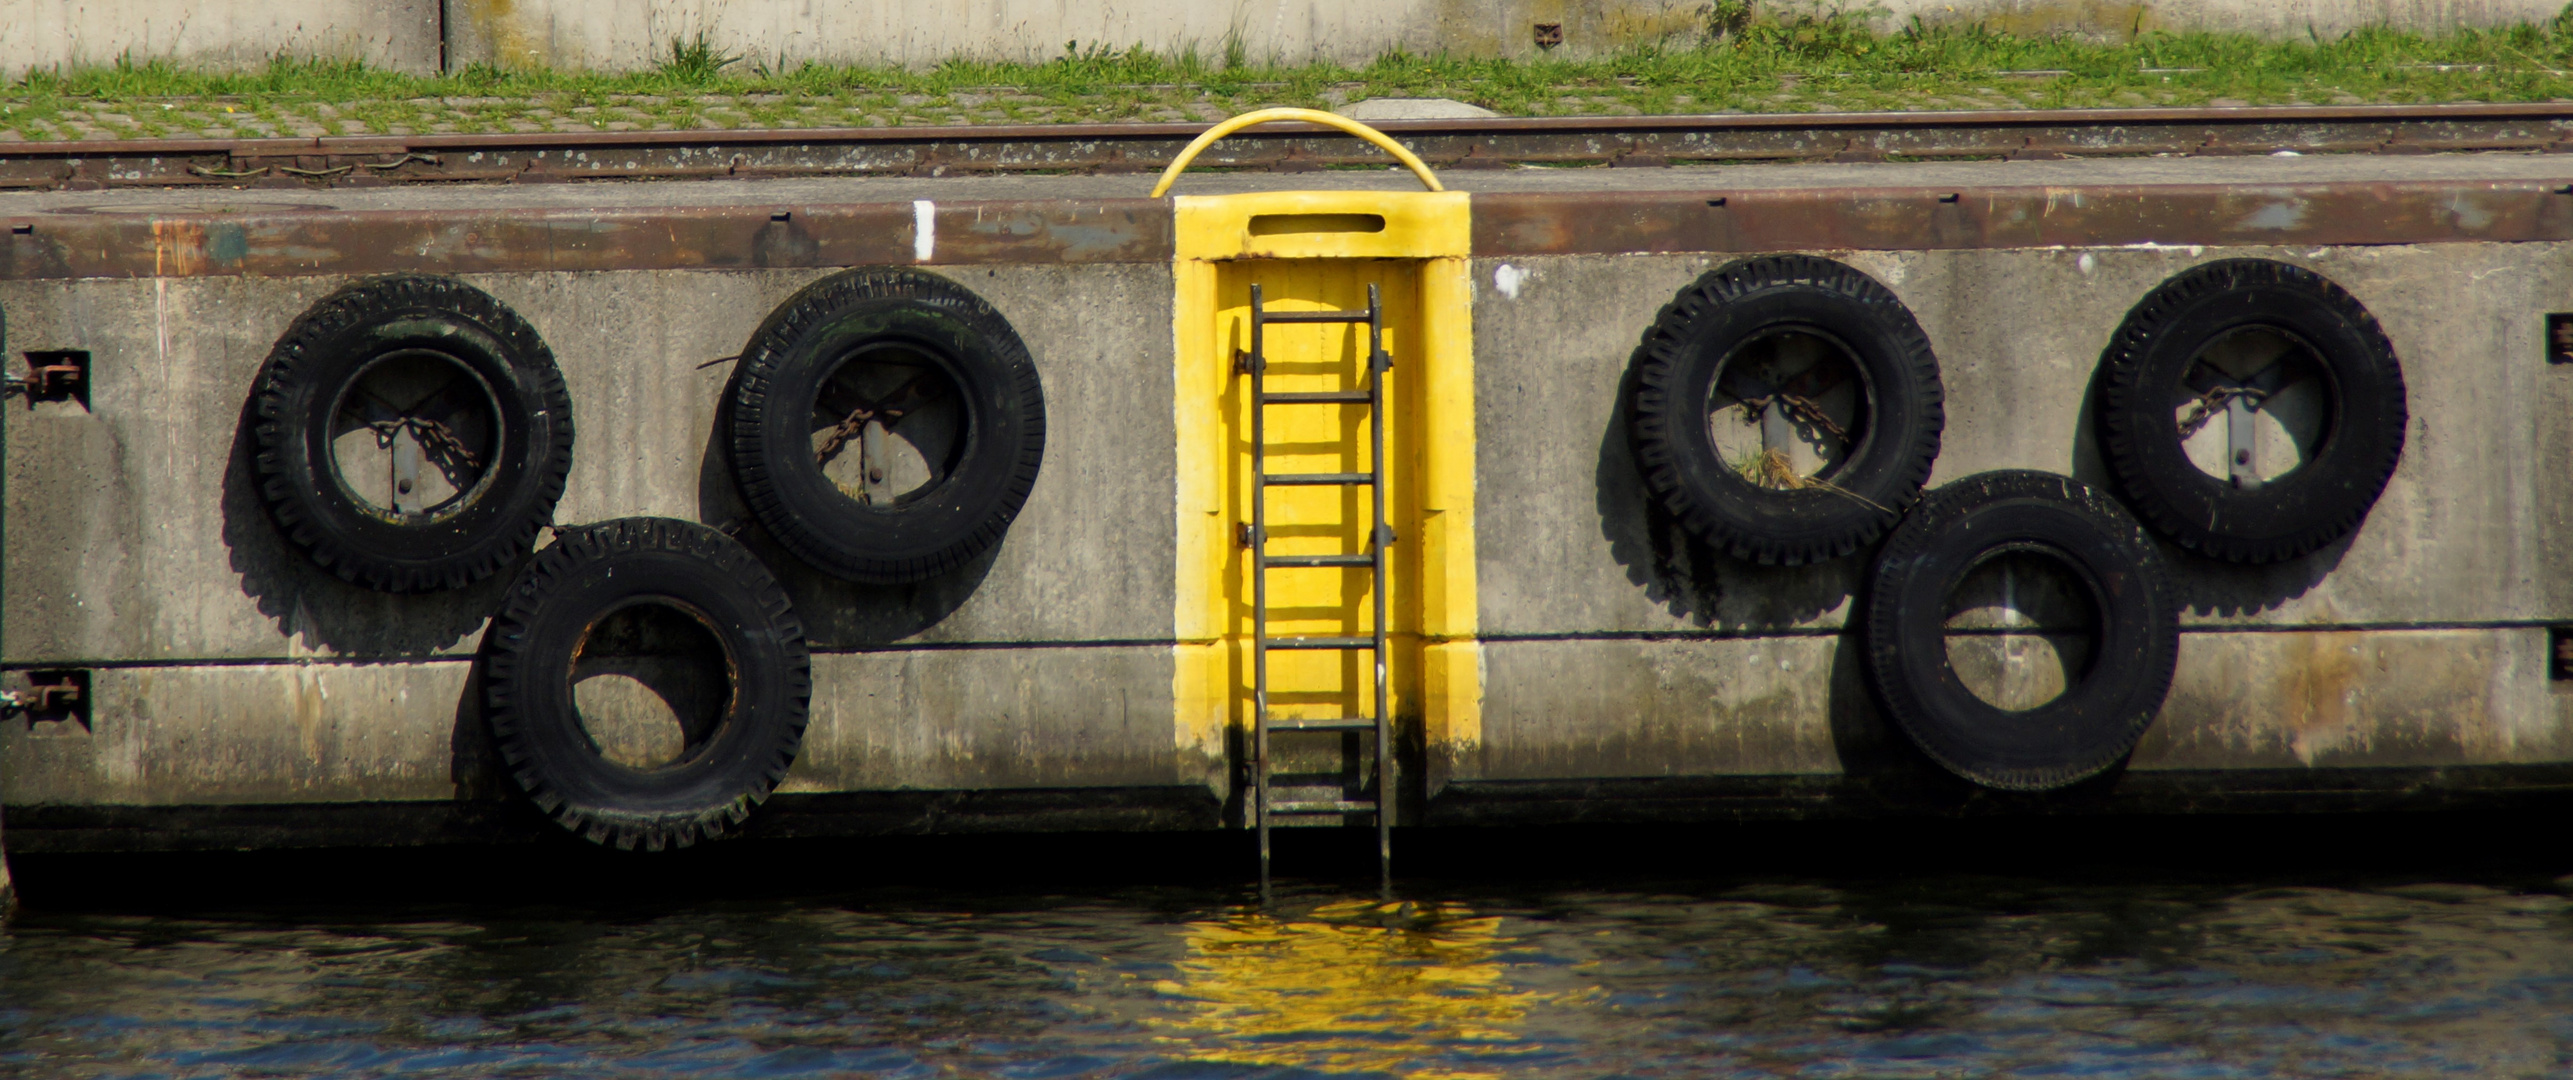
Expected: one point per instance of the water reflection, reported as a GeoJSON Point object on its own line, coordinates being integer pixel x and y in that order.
{"type": "Point", "coordinates": [1352, 987]}
{"type": "Point", "coordinates": [1932, 976]}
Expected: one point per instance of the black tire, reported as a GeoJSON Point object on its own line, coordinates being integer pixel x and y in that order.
{"type": "Point", "coordinates": [2360, 440]}
{"type": "Point", "coordinates": [984, 477]}
{"type": "Point", "coordinates": [506, 486]}
{"type": "Point", "coordinates": [1889, 447]}
{"type": "Point", "coordinates": [727, 765]}
{"type": "Point", "coordinates": [2097, 719]}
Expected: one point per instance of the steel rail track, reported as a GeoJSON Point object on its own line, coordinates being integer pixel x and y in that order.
{"type": "Point", "coordinates": [1096, 148]}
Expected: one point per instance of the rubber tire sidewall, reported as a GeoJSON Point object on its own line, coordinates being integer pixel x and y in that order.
{"type": "Point", "coordinates": [930, 534]}
{"type": "Point", "coordinates": [1735, 305]}
{"type": "Point", "coordinates": [2323, 499]}
{"type": "Point", "coordinates": [313, 366]}
{"type": "Point", "coordinates": [2098, 719]}
{"type": "Point", "coordinates": [537, 725]}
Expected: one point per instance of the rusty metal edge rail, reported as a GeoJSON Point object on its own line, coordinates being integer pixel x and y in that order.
{"type": "Point", "coordinates": [1499, 142]}
{"type": "Point", "coordinates": [288, 242]}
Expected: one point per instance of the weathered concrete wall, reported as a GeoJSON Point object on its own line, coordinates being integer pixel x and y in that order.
{"type": "Point", "coordinates": [1578, 565]}
{"type": "Point", "coordinates": [270, 680]}
{"type": "Point", "coordinates": [624, 34]}
{"type": "Point", "coordinates": [2288, 19]}
{"type": "Point", "coordinates": [635, 33]}
{"type": "Point", "coordinates": [406, 35]}
{"type": "Point", "coordinates": [400, 35]}
{"type": "Point", "coordinates": [231, 671]}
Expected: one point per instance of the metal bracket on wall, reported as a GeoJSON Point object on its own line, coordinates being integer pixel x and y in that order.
{"type": "Point", "coordinates": [52, 375]}
{"type": "Point", "coordinates": [50, 696]}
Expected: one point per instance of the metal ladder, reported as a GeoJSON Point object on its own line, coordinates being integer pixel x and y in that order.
{"type": "Point", "coordinates": [1255, 363]}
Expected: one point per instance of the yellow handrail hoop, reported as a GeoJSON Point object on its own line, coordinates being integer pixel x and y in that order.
{"type": "Point", "coordinates": [1411, 161]}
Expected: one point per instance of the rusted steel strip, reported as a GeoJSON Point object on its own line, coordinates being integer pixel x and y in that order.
{"type": "Point", "coordinates": [1915, 219]}
{"type": "Point", "coordinates": [1641, 140]}
{"type": "Point", "coordinates": [747, 236]}
{"type": "Point", "coordinates": [284, 242]}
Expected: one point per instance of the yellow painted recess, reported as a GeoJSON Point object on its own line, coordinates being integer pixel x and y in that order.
{"type": "Point", "coordinates": [1315, 250]}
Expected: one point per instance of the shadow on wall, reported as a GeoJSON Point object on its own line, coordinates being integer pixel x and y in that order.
{"type": "Point", "coordinates": [1692, 580]}
{"type": "Point", "coordinates": [310, 602]}
{"type": "Point", "coordinates": [836, 613]}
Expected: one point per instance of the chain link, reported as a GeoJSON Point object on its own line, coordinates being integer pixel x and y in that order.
{"type": "Point", "coordinates": [434, 436]}
{"type": "Point", "coordinates": [2213, 402]}
{"type": "Point", "coordinates": [1798, 407]}
{"type": "Point", "coordinates": [908, 396]}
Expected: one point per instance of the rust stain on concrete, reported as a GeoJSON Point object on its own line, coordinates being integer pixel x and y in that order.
{"type": "Point", "coordinates": [2316, 682]}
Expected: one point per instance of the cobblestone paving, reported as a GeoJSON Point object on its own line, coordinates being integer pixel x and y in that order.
{"type": "Point", "coordinates": [25, 118]}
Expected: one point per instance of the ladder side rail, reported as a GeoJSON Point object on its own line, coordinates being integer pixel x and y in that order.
{"type": "Point", "coordinates": [1377, 362]}
{"type": "Point", "coordinates": [1259, 586]}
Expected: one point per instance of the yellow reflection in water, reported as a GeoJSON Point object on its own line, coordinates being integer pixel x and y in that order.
{"type": "Point", "coordinates": [1352, 986]}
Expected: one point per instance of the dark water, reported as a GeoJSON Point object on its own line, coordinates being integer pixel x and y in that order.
{"type": "Point", "coordinates": [2166, 972]}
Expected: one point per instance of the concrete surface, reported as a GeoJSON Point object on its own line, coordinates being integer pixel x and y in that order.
{"type": "Point", "coordinates": [161, 550]}
{"type": "Point", "coordinates": [1412, 109]}
{"type": "Point", "coordinates": [230, 671]}
{"type": "Point", "coordinates": [2460, 538]}
{"type": "Point", "coordinates": [398, 35]}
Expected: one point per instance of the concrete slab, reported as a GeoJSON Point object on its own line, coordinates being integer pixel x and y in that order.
{"type": "Point", "coordinates": [1412, 109]}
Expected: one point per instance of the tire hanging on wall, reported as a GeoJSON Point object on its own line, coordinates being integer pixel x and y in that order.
{"type": "Point", "coordinates": [2085, 535]}
{"type": "Point", "coordinates": [2197, 353]}
{"type": "Point", "coordinates": [413, 433]}
{"type": "Point", "coordinates": [689, 608]}
{"type": "Point", "coordinates": [1808, 353]}
{"type": "Point", "coordinates": [868, 358]}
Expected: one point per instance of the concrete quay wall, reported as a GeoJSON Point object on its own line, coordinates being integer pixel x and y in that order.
{"type": "Point", "coordinates": [230, 672]}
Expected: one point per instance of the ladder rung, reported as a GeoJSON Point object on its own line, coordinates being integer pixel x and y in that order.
{"type": "Point", "coordinates": [1318, 397]}
{"type": "Point", "coordinates": [1313, 316]}
{"type": "Point", "coordinates": [1317, 479]}
{"type": "Point", "coordinates": [1341, 806]}
{"type": "Point", "coordinates": [1348, 723]}
{"type": "Point", "coordinates": [1317, 560]}
{"type": "Point", "coordinates": [1319, 642]}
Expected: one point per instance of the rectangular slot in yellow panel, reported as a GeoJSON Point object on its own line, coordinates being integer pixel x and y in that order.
{"type": "Point", "coordinates": [1280, 224]}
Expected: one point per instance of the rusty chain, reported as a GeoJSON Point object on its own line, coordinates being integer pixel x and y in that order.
{"type": "Point", "coordinates": [2212, 402]}
{"type": "Point", "coordinates": [434, 436]}
{"type": "Point", "coordinates": [892, 407]}
{"type": "Point", "coordinates": [840, 435]}
{"type": "Point", "coordinates": [1798, 407]}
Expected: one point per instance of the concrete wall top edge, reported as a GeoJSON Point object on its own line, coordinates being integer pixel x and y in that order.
{"type": "Point", "coordinates": [296, 241]}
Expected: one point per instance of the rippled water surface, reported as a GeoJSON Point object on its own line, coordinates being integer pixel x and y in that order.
{"type": "Point", "coordinates": [1923, 976]}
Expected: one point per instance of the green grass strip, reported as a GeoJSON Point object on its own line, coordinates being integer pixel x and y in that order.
{"type": "Point", "coordinates": [1766, 65]}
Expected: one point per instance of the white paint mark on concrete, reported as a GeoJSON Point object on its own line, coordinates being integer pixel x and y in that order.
{"type": "Point", "coordinates": [2086, 264]}
{"type": "Point", "coordinates": [1506, 278]}
{"type": "Point", "coordinates": [924, 229]}
{"type": "Point", "coordinates": [2277, 215]}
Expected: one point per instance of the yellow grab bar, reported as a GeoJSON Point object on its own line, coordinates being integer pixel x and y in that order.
{"type": "Point", "coordinates": [1410, 160]}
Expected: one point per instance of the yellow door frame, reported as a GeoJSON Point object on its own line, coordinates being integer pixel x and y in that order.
{"type": "Point", "coordinates": [1416, 244]}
